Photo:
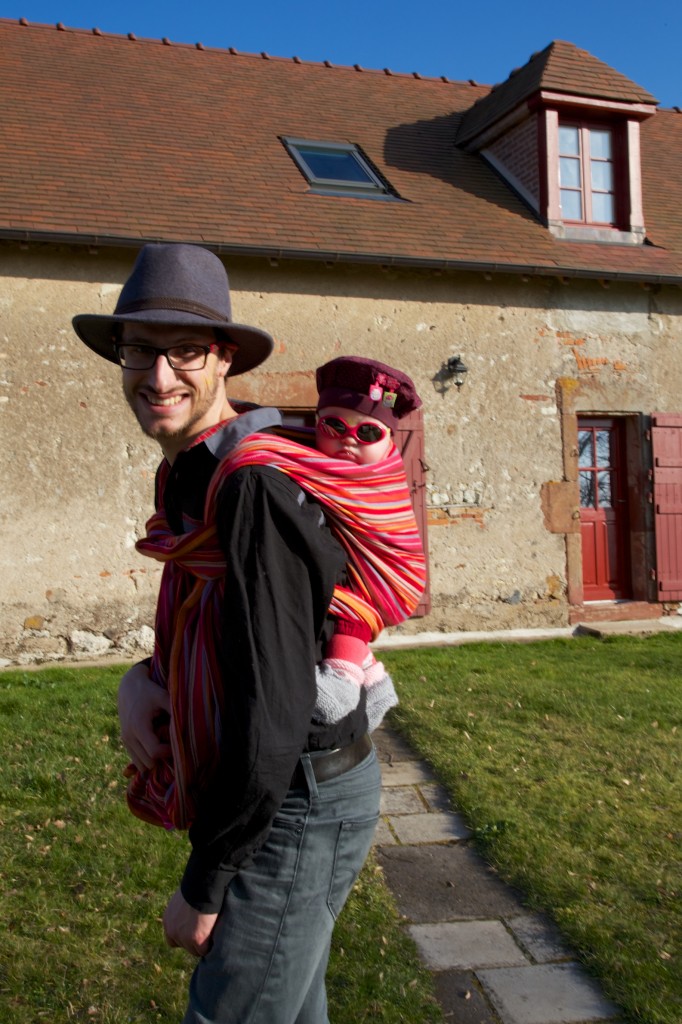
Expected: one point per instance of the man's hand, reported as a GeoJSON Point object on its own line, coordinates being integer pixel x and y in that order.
{"type": "Point", "coordinates": [184, 926]}
{"type": "Point", "coordinates": [140, 702]}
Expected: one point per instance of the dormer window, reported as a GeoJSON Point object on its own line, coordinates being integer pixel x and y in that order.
{"type": "Point", "coordinates": [337, 168]}
{"type": "Point", "coordinates": [593, 183]}
{"type": "Point", "coordinates": [563, 132]}
{"type": "Point", "coordinates": [586, 175]}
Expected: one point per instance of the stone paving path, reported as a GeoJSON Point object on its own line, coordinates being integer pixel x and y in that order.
{"type": "Point", "coordinates": [493, 961]}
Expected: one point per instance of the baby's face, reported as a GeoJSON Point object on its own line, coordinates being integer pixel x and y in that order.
{"type": "Point", "coordinates": [339, 443]}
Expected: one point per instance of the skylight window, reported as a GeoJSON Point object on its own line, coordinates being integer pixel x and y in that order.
{"type": "Point", "coordinates": [336, 168]}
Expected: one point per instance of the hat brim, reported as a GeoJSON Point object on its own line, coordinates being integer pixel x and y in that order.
{"type": "Point", "coordinates": [253, 345]}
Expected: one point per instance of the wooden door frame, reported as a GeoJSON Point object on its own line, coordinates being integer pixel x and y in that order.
{"type": "Point", "coordinates": [616, 426]}
{"type": "Point", "coordinates": [638, 468]}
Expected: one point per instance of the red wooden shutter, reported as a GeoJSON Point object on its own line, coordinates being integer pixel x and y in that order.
{"type": "Point", "coordinates": [409, 439]}
{"type": "Point", "coordinates": [666, 441]}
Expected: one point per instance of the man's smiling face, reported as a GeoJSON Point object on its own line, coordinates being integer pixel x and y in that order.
{"type": "Point", "coordinates": [175, 406]}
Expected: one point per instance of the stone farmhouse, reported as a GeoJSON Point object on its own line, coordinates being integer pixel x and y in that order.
{"type": "Point", "coordinates": [516, 248]}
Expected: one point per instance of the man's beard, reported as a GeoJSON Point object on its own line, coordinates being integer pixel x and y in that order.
{"type": "Point", "coordinates": [159, 432]}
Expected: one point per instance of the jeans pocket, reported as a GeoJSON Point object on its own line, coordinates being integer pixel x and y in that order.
{"type": "Point", "coordinates": [352, 846]}
{"type": "Point", "coordinates": [289, 826]}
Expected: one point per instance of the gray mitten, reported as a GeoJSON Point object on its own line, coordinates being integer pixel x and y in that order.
{"type": "Point", "coordinates": [337, 695]}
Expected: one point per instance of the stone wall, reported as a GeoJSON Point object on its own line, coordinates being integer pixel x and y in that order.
{"type": "Point", "coordinates": [76, 476]}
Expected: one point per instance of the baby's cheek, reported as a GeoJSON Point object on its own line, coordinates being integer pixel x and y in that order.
{"type": "Point", "coordinates": [372, 453]}
{"type": "Point", "coordinates": [326, 445]}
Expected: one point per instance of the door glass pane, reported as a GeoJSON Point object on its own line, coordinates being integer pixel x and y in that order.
{"type": "Point", "coordinates": [603, 439]}
{"type": "Point", "coordinates": [603, 210]}
{"type": "Point", "coordinates": [569, 140]}
{"type": "Point", "coordinates": [600, 143]}
{"type": "Point", "coordinates": [602, 175]}
{"type": "Point", "coordinates": [604, 484]}
{"type": "Point", "coordinates": [571, 205]}
{"type": "Point", "coordinates": [585, 448]}
{"type": "Point", "coordinates": [587, 499]}
{"type": "Point", "coordinates": [569, 172]}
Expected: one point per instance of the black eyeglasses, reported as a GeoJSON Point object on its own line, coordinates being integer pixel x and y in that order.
{"type": "Point", "coordinates": [364, 433]}
{"type": "Point", "coordinates": [132, 356]}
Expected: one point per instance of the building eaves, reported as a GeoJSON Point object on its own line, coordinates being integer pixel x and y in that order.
{"type": "Point", "coordinates": [659, 273]}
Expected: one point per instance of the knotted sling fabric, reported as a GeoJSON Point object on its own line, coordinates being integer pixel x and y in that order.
{"type": "Point", "coordinates": [185, 662]}
{"type": "Point", "coordinates": [369, 510]}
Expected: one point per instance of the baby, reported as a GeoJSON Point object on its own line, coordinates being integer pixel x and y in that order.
{"type": "Point", "coordinates": [360, 403]}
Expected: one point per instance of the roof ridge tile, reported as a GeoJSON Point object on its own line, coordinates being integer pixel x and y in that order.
{"type": "Point", "coordinates": [231, 50]}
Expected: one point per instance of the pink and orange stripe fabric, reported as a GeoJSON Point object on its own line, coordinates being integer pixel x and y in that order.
{"type": "Point", "coordinates": [369, 510]}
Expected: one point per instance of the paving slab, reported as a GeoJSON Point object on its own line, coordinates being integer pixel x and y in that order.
{"type": "Point", "coordinates": [383, 835]}
{"type": "Point", "coordinates": [546, 994]}
{"type": "Point", "coordinates": [443, 883]}
{"type": "Point", "coordinates": [441, 826]}
{"type": "Point", "coordinates": [398, 641]}
{"type": "Point", "coordinates": [436, 796]}
{"type": "Point", "coordinates": [405, 773]}
{"type": "Point", "coordinates": [466, 945]}
{"type": "Point", "coordinates": [540, 937]}
{"type": "Point", "coordinates": [637, 627]}
{"type": "Point", "coordinates": [402, 800]}
{"type": "Point", "coordinates": [391, 748]}
{"type": "Point", "coordinates": [463, 1002]}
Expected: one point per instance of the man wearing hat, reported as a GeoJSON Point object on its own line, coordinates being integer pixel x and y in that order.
{"type": "Point", "coordinates": [280, 809]}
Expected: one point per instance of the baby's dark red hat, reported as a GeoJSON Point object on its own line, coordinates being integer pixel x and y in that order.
{"type": "Point", "coordinates": [368, 386]}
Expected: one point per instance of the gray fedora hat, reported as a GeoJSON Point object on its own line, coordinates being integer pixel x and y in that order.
{"type": "Point", "coordinates": [179, 285]}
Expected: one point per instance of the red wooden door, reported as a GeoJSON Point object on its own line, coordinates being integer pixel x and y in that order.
{"type": "Point", "coordinates": [603, 509]}
{"type": "Point", "coordinates": [666, 441]}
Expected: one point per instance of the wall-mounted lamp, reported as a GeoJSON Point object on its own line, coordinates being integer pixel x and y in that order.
{"type": "Point", "coordinates": [451, 372]}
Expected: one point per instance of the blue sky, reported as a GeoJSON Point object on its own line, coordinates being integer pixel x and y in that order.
{"type": "Point", "coordinates": [483, 41]}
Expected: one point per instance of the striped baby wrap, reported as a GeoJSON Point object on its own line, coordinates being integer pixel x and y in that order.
{"type": "Point", "coordinates": [368, 509]}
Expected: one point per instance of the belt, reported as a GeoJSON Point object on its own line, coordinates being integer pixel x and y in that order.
{"type": "Point", "coordinates": [327, 764]}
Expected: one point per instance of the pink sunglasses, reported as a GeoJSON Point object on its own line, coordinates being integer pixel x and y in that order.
{"type": "Point", "coordinates": [364, 433]}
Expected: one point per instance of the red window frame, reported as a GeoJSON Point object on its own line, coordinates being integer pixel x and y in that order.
{"type": "Point", "coordinates": [585, 159]}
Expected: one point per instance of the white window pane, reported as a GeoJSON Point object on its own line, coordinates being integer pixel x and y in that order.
{"type": "Point", "coordinates": [602, 208]}
{"type": "Point", "coordinates": [569, 172]}
{"type": "Point", "coordinates": [571, 205]}
{"type": "Point", "coordinates": [600, 143]}
{"type": "Point", "coordinates": [569, 140]}
{"type": "Point", "coordinates": [602, 175]}
{"type": "Point", "coordinates": [585, 455]}
{"type": "Point", "coordinates": [604, 485]}
{"type": "Point", "coordinates": [587, 495]}
{"type": "Point", "coordinates": [603, 448]}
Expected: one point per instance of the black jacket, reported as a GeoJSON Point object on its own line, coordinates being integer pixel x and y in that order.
{"type": "Point", "coordinates": [283, 564]}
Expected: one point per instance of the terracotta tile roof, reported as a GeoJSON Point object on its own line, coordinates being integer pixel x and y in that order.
{"type": "Point", "coordinates": [113, 140]}
{"type": "Point", "coordinates": [560, 67]}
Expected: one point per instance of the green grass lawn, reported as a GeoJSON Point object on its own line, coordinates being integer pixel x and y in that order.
{"type": "Point", "coordinates": [565, 757]}
{"type": "Point", "coordinates": [84, 884]}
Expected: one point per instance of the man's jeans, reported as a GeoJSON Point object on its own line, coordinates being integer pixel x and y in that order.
{"type": "Point", "coordinates": [271, 942]}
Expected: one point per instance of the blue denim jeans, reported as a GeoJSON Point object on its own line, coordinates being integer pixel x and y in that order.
{"type": "Point", "coordinates": [271, 943]}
